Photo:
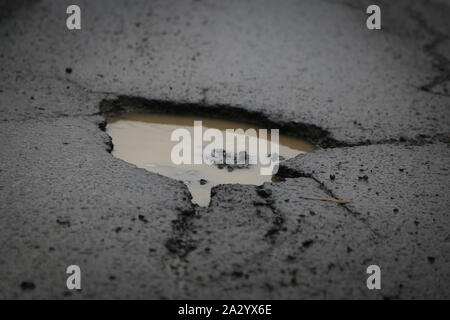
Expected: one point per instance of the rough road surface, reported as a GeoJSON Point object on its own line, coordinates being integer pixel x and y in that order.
{"type": "Point", "coordinates": [377, 102]}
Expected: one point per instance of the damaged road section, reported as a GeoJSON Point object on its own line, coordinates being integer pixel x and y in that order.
{"type": "Point", "coordinates": [64, 199]}
{"type": "Point", "coordinates": [266, 242]}
{"type": "Point", "coordinates": [271, 242]}
{"type": "Point", "coordinates": [201, 151]}
{"type": "Point", "coordinates": [401, 193]}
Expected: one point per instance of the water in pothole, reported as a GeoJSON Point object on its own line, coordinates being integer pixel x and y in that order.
{"type": "Point", "coordinates": [144, 139]}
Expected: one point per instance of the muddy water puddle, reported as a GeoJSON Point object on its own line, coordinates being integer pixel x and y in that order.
{"type": "Point", "coordinates": [144, 139]}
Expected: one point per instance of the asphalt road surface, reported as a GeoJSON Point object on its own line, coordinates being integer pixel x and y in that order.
{"type": "Point", "coordinates": [376, 101]}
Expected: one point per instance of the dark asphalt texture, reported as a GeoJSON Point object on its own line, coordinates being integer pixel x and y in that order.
{"type": "Point", "coordinates": [377, 102]}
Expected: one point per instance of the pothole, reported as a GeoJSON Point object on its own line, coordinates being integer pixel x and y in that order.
{"type": "Point", "coordinates": [144, 139]}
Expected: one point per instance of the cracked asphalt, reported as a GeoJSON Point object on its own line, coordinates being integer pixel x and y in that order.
{"type": "Point", "coordinates": [377, 102]}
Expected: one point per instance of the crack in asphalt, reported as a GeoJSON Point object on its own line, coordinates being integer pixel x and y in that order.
{"type": "Point", "coordinates": [286, 172]}
{"type": "Point", "coordinates": [180, 242]}
{"type": "Point", "coordinates": [278, 220]}
{"type": "Point", "coordinates": [442, 63]}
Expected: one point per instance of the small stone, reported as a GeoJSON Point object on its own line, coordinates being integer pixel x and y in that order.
{"type": "Point", "coordinates": [307, 243]}
{"type": "Point", "coordinates": [142, 218]}
{"type": "Point", "coordinates": [27, 285]}
{"type": "Point", "coordinates": [264, 193]}
{"type": "Point", "coordinates": [63, 221]}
